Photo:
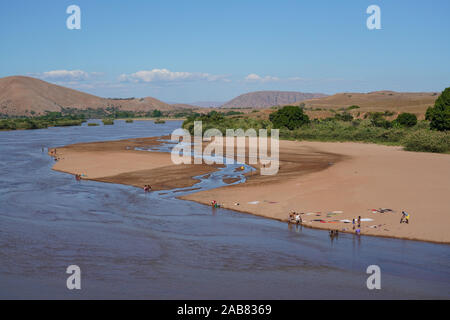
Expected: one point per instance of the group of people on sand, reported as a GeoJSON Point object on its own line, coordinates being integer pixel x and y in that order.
{"type": "Point", "coordinates": [354, 221]}
{"type": "Point", "coordinates": [147, 188]}
{"type": "Point", "coordinates": [53, 154]}
{"type": "Point", "coordinates": [295, 217]}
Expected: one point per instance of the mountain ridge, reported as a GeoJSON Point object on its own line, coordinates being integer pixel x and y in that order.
{"type": "Point", "coordinates": [265, 99]}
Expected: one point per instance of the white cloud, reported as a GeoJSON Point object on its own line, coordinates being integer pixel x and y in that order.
{"type": "Point", "coordinates": [253, 77]}
{"type": "Point", "coordinates": [164, 75]}
{"type": "Point", "coordinates": [65, 75]}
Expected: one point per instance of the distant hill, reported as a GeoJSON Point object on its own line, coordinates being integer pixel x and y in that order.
{"type": "Point", "coordinates": [264, 99]}
{"type": "Point", "coordinates": [416, 102]}
{"type": "Point", "coordinates": [21, 95]}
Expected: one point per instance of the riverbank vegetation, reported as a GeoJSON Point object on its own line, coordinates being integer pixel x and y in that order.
{"type": "Point", "coordinates": [51, 119]}
{"type": "Point", "coordinates": [75, 117]}
{"type": "Point", "coordinates": [405, 130]}
{"type": "Point", "coordinates": [108, 122]}
{"type": "Point", "coordinates": [116, 113]}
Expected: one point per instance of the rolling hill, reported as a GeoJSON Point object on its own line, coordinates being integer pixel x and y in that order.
{"type": "Point", "coordinates": [21, 95]}
{"type": "Point", "coordinates": [416, 102]}
{"type": "Point", "coordinates": [25, 96]}
{"type": "Point", "coordinates": [265, 99]}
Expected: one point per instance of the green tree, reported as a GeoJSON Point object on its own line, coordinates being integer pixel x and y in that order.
{"type": "Point", "coordinates": [429, 113]}
{"type": "Point", "coordinates": [439, 115]}
{"type": "Point", "coordinates": [290, 117]}
{"type": "Point", "coordinates": [407, 119]}
{"type": "Point", "coordinates": [156, 113]}
{"type": "Point", "coordinates": [377, 119]}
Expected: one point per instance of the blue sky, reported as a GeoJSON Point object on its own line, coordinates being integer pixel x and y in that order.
{"type": "Point", "coordinates": [186, 51]}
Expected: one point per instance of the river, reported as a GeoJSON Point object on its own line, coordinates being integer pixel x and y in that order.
{"type": "Point", "coordinates": [130, 244]}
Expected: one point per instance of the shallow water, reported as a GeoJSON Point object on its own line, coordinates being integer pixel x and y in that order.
{"type": "Point", "coordinates": [129, 244]}
{"type": "Point", "coordinates": [231, 170]}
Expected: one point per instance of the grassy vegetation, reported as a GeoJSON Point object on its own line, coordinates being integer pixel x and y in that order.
{"type": "Point", "coordinates": [129, 121]}
{"type": "Point", "coordinates": [110, 113]}
{"type": "Point", "coordinates": [108, 122]}
{"type": "Point", "coordinates": [416, 138]}
{"type": "Point", "coordinates": [116, 113]}
{"type": "Point", "coordinates": [51, 119]}
{"type": "Point", "coordinates": [404, 131]}
{"type": "Point", "coordinates": [428, 141]}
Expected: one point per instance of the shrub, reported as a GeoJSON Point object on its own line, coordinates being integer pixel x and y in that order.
{"type": "Point", "coordinates": [129, 121]}
{"type": "Point", "coordinates": [345, 116]}
{"type": "Point", "coordinates": [427, 141]}
{"type": "Point", "coordinates": [356, 122]}
{"type": "Point", "coordinates": [423, 124]}
{"type": "Point", "coordinates": [233, 113]}
{"type": "Point", "coordinates": [290, 117]}
{"type": "Point", "coordinates": [353, 107]}
{"type": "Point", "coordinates": [379, 121]}
{"type": "Point", "coordinates": [108, 122]}
{"type": "Point", "coordinates": [7, 125]}
{"type": "Point", "coordinates": [407, 119]}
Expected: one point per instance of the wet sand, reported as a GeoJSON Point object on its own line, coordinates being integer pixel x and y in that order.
{"type": "Point", "coordinates": [315, 178]}
{"type": "Point", "coordinates": [119, 162]}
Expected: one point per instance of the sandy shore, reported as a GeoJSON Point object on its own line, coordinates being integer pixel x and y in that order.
{"type": "Point", "coordinates": [368, 177]}
{"type": "Point", "coordinates": [315, 178]}
{"type": "Point", "coordinates": [119, 162]}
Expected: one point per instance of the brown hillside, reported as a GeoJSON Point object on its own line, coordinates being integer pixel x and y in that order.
{"type": "Point", "coordinates": [415, 102]}
{"type": "Point", "coordinates": [20, 95]}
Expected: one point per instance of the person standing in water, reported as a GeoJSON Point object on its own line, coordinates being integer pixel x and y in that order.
{"type": "Point", "coordinates": [298, 219]}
